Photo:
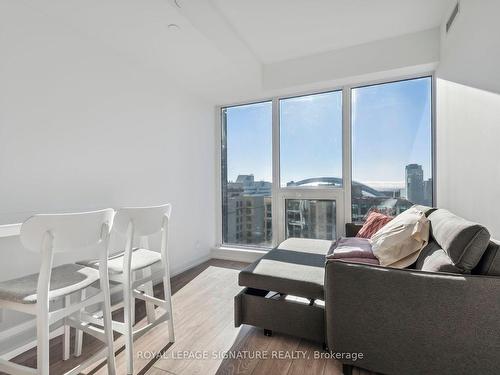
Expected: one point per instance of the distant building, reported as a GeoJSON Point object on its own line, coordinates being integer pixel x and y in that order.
{"type": "Point", "coordinates": [362, 205]}
{"type": "Point", "coordinates": [252, 187]}
{"type": "Point", "coordinates": [428, 187]}
{"type": "Point", "coordinates": [414, 181]}
{"type": "Point", "coordinates": [268, 219]}
{"type": "Point", "coordinates": [393, 193]}
{"type": "Point", "coordinates": [247, 205]}
{"type": "Point", "coordinates": [310, 218]}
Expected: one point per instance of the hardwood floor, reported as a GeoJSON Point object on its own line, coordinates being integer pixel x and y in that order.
{"type": "Point", "coordinates": [206, 340]}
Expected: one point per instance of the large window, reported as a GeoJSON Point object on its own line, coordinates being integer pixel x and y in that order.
{"type": "Point", "coordinates": [247, 174]}
{"type": "Point", "coordinates": [391, 147]}
{"type": "Point", "coordinates": [286, 169]}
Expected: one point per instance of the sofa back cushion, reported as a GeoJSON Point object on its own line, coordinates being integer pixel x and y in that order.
{"type": "Point", "coordinates": [463, 241]}
{"type": "Point", "coordinates": [434, 259]}
{"type": "Point", "coordinates": [425, 209]}
{"type": "Point", "coordinates": [490, 261]}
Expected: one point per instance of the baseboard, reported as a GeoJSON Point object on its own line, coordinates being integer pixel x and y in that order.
{"type": "Point", "coordinates": [236, 254]}
{"type": "Point", "coordinates": [196, 262]}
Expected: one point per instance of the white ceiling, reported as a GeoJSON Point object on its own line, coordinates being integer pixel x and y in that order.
{"type": "Point", "coordinates": [277, 30]}
{"type": "Point", "coordinates": [222, 46]}
{"type": "Point", "coordinates": [138, 29]}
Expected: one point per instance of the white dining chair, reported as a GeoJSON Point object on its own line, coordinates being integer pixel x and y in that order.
{"type": "Point", "coordinates": [135, 269]}
{"type": "Point", "coordinates": [47, 294]}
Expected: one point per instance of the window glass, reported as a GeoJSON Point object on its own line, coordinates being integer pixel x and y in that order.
{"type": "Point", "coordinates": [391, 147]}
{"type": "Point", "coordinates": [311, 140]}
{"type": "Point", "coordinates": [247, 174]}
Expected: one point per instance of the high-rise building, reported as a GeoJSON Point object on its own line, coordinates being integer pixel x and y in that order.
{"type": "Point", "coordinates": [248, 218]}
{"type": "Point", "coordinates": [414, 181]}
{"type": "Point", "coordinates": [428, 192]}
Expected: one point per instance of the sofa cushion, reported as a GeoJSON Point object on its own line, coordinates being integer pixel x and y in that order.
{"type": "Point", "coordinates": [465, 242]}
{"type": "Point", "coordinates": [425, 209]}
{"type": "Point", "coordinates": [490, 261]}
{"type": "Point", "coordinates": [434, 259]}
{"type": "Point", "coordinates": [399, 243]}
{"type": "Point", "coordinates": [351, 247]}
{"type": "Point", "coordinates": [296, 267]}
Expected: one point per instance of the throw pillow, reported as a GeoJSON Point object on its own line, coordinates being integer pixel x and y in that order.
{"type": "Point", "coordinates": [373, 223]}
{"type": "Point", "coordinates": [399, 243]}
{"type": "Point", "coordinates": [352, 249]}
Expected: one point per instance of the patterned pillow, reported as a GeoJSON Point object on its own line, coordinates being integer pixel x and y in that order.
{"type": "Point", "coordinates": [373, 223]}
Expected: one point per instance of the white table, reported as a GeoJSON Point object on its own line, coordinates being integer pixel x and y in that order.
{"type": "Point", "coordinates": [10, 230]}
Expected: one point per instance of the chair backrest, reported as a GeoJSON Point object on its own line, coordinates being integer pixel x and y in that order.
{"type": "Point", "coordinates": [145, 220]}
{"type": "Point", "coordinates": [70, 232]}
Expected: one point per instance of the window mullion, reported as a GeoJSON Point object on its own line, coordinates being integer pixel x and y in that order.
{"type": "Point", "coordinates": [346, 155]}
{"type": "Point", "coordinates": [276, 208]}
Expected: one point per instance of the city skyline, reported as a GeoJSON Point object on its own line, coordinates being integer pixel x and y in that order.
{"type": "Point", "coordinates": [251, 186]}
{"type": "Point", "coordinates": [248, 208]}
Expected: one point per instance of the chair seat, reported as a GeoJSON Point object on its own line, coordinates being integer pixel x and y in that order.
{"type": "Point", "coordinates": [64, 280]}
{"type": "Point", "coordinates": [141, 258]}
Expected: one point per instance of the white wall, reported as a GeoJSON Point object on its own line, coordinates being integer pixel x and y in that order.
{"type": "Point", "coordinates": [405, 54]}
{"type": "Point", "coordinates": [468, 115]}
{"type": "Point", "coordinates": [83, 127]}
{"type": "Point", "coordinates": [470, 52]}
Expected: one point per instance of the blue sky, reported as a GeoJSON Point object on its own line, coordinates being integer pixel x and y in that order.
{"type": "Point", "coordinates": [391, 127]}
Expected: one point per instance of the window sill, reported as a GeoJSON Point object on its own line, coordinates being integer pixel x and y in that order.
{"type": "Point", "coordinates": [240, 254]}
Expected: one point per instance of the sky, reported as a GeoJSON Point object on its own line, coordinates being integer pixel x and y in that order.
{"type": "Point", "coordinates": [391, 127]}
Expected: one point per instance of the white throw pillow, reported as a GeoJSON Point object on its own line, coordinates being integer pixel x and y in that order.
{"type": "Point", "coordinates": [399, 242]}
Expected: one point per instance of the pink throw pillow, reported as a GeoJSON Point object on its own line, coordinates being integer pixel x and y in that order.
{"type": "Point", "coordinates": [373, 223]}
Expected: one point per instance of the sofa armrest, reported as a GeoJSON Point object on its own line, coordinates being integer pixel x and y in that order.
{"type": "Point", "coordinates": [352, 229]}
{"type": "Point", "coordinates": [413, 322]}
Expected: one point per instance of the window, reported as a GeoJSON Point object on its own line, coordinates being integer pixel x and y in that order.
{"type": "Point", "coordinates": [391, 147]}
{"type": "Point", "coordinates": [297, 183]}
{"type": "Point", "coordinates": [311, 140]}
{"type": "Point", "coordinates": [311, 218]}
{"type": "Point", "coordinates": [246, 167]}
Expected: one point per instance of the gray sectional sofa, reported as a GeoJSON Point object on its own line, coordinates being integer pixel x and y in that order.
{"type": "Point", "coordinates": [440, 316]}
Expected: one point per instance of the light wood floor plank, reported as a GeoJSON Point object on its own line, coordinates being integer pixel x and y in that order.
{"type": "Point", "coordinates": [332, 367]}
{"type": "Point", "coordinates": [276, 365]}
{"type": "Point", "coordinates": [250, 343]}
{"type": "Point", "coordinates": [307, 363]}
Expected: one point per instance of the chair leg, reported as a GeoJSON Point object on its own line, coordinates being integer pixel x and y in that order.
{"type": "Point", "coordinates": [128, 299]}
{"type": "Point", "coordinates": [148, 289]}
{"type": "Point", "coordinates": [66, 334]}
{"type": "Point", "coordinates": [79, 333]}
{"type": "Point", "coordinates": [168, 298]}
{"type": "Point", "coordinates": [42, 350]}
{"type": "Point", "coordinates": [132, 305]}
{"type": "Point", "coordinates": [108, 330]}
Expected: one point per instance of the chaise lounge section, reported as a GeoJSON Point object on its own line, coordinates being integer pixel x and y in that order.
{"type": "Point", "coordinates": [295, 268]}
